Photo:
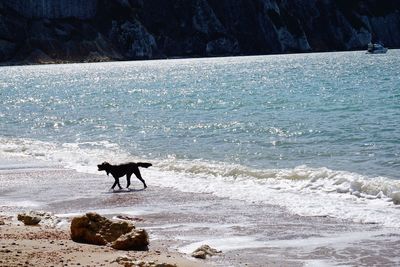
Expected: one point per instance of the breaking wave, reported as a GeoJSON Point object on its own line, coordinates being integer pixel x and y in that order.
{"type": "Point", "coordinates": [302, 190]}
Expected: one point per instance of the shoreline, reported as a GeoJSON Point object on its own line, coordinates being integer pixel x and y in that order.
{"type": "Point", "coordinates": [64, 62]}
{"type": "Point", "coordinates": [247, 233]}
{"type": "Point", "coordinates": [49, 243]}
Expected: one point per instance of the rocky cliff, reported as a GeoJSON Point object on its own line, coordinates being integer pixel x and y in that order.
{"type": "Point", "coordinates": [33, 31]}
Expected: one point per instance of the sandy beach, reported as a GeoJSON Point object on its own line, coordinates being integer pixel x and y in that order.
{"type": "Point", "coordinates": [46, 246]}
{"type": "Point", "coordinates": [49, 243]}
{"type": "Point", "coordinates": [248, 234]}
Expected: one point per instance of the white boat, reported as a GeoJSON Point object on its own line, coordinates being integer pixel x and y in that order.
{"type": "Point", "coordinates": [376, 48]}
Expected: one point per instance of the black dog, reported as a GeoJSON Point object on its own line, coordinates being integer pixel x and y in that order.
{"type": "Point", "coordinates": [127, 169]}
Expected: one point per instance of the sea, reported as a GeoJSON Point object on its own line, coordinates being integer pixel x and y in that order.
{"type": "Point", "coordinates": [315, 134]}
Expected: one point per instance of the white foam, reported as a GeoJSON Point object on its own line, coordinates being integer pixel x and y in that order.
{"type": "Point", "coordinates": [82, 156]}
{"type": "Point", "coordinates": [23, 204]}
{"type": "Point", "coordinates": [336, 240]}
{"type": "Point", "coordinates": [302, 190]}
{"type": "Point", "coordinates": [225, 244]}
{"type": "Point", "coordinates": [322, 263]}
{"type": "Point", "coordinates": [245, 242]}
{"type": "Point", "coordinates": [138, 211]}
{"type": "Point", "coordinates": [191, 226]}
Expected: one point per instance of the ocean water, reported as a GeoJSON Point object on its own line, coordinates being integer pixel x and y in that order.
{"type": "Point", "coordinates": [317, 134]}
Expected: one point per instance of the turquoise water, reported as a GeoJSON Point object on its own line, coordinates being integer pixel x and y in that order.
{"type": "Point", "coordinates": [334, 110]}
{"type": "Point", "coordinates": [316, 134]}
{"type": "Point", "coordinates": [311, 134]}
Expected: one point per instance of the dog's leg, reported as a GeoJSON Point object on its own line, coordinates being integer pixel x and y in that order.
{"type": "Point", "coordinates": [137, 173]}
{"type": "Point", "coordinates": [115, 183]}
{"type": "Point", "coordinates": [128, 179]}
{"type": "Point", "coordinates": [120, 187]}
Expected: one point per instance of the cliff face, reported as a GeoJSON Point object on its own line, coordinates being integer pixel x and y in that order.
{"type": "Point", "coordinates": [53, 9]}
{"type": "Point", "coordinates": [33, 31]}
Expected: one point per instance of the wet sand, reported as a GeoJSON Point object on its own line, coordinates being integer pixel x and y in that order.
{"type": "Point", "coordinates": [248, 234]}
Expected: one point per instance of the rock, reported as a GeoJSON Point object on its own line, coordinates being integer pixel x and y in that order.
{"type": "Point", "coordinates": [7, 49]}
{"type": "Point", "coordinates": [199, 254]}
{"type": "Point", "coordinates": [98, 230]}
{"type": "Point", "coordinates": [38, 56]}
{"type": "Point", "coordinates": [92, 30]}
{"type": "Point", "coordinates": [385, 29]}
{"type": "Point", "coordinates": [204, 251]}
{"type": "Point", "coordinates": [83, 9]}
{"type": "Point", "coordinates": [132, 262]}
{"type": "Point", "coordinates": [222, 46]}
{"type": "Point", "coordinates": [135, 39]}
{"type": "Point", "coordinates": [96, 57]}
{"type": "Point", "coordinates": [134, 240]}
{"type": "Point", "coordinates": [2, 222]}
{"type": "Point", "coordinates": [95, 229]}
{"type": "Point", "coordinates": [129, 218]}
{"type": "Point", "coordinates": [204, 19]}
{"type": "Point", "coordinates": [34, 217]}
{"type": "Point", "coordinates": [29, 219]}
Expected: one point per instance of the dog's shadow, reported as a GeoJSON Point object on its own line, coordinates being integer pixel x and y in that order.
{"type": "Point", "coordinates": [123, 191]}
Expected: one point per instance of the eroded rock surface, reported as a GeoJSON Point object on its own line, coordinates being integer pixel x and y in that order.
{"type": "Point", "coordinates": [204, 251]}
{"type": "Point", "coordinates": [94, 229]}
{"type": "Point", "coordinates": [36, 217]}
{"type": "Point", "coordinates": [98, 30]}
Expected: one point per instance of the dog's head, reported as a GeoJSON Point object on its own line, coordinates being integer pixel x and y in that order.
{"type": "Point", "coordinates": [105, 166]}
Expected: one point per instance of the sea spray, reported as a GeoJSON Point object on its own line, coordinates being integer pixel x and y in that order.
{"type": "Point", "coordinates": [318, 140]}
{"type": "Point", "coordinates": [302, 190]}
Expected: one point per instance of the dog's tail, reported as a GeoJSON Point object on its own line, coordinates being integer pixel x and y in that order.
{"type": "Point", "coordinates": [144, 164]}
